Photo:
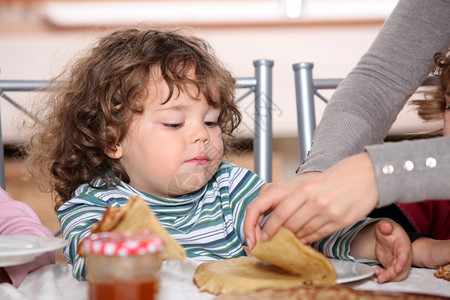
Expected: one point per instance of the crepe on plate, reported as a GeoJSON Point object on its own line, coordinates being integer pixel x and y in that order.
{"type": "Point", "coordinates": [286, 251]}
{"type": "Point", "coordinates": [282, 263]}
{"type": "Point", "coordinates": [136, 215]}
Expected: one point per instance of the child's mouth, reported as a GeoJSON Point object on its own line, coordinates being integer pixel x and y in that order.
{"type": "Point", "coordinates": [201, 160]}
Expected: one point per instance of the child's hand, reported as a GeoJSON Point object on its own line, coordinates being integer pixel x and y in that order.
{"type": "Point", "coordinates": [393, 250]}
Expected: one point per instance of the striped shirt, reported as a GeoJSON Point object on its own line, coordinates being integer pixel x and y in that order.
{"type": "Point", "coordinates": [207, 223]}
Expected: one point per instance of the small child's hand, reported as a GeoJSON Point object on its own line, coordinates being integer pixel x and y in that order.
{"type": "Point", "coordinates": [393, 250]}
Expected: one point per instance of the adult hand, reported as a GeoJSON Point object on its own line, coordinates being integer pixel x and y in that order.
{"type": "Point", "coordinates": [314, 205]}
{"type": "Point", "coordinates": [271, 195]}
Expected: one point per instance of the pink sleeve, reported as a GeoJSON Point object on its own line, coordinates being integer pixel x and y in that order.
{"type": "Point", "coordinates": [17, 218]}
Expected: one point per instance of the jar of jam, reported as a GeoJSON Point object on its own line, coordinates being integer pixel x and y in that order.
{"type": "Point", "coordinates": [123, 265]}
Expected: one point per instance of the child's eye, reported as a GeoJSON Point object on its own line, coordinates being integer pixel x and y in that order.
{"type": "Point", "coordinates": [211, 124]}
{"type": "Point", "coordinates": [173, 125]}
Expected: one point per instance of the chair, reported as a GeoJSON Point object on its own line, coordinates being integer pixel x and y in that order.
{"type": "Point", "coordinates": [260, 85]}
{"type": "Point", "coordinates": [305, 89]}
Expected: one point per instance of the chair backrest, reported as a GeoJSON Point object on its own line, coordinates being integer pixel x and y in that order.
{"type": "Point", "coordinates": [260, 85]}
{"type": "Point", "coordinates": [306, 87]}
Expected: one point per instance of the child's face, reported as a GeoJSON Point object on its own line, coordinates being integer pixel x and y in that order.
{"type": "Point", "coordinates": [172, 148]}
{"type": "Point", "coordinates": [446, 130]}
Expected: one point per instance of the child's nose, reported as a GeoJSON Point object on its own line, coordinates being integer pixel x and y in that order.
{"type": "Point", "coordinates": [201, 134]}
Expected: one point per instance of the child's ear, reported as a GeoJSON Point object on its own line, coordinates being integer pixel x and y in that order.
{"type": "Point", "coordinates": [116, 152]}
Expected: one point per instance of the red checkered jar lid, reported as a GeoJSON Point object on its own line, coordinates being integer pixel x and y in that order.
{"type": "Point", "coordinates": [122, 243]}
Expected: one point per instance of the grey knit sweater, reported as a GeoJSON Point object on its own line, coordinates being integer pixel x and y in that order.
{"type": "Point", "coordinates": [366, 103]}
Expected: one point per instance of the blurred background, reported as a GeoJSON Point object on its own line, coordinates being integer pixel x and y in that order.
{"type": "Point", "coordinates": [38, 37]}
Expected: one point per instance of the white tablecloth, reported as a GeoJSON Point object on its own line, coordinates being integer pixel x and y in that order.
{"type": "Point", "coordinates": [56, 282]}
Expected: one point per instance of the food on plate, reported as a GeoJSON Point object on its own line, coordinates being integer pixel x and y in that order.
{"type": "Point", "coordinates": [443, 272]}
{"type": "Point", "coordinates": [136, 215]}
{"type": "Point", "coordinates": [286, 251]}
{"type": "Point", "coordinates": [244, 274]}
{"type": "Point", "coordinates": [279, 263]}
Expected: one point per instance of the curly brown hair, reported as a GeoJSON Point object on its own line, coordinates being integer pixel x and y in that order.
{"type": "Point", "coordinates": [92, 106]}
{"type": "Point", "coordinates": [432, 108]}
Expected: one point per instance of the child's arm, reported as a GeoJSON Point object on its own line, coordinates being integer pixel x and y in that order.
{"type": "Point", "coordinates": [387, 242]}
{"type": "Point", "coordinates": [17, 218]}
{"type": "Point", "coordinates": [371, 241]}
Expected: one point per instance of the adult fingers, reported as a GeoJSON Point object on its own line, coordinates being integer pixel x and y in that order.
{"type": "Point", "coordinates": [285, 210]}
{"type": "Point", "coordinates": [255, 211]}
{"type": "Point", "coordinates": [315, 219]}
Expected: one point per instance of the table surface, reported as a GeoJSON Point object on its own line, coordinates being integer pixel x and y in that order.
{"type": "Point", "coordinates": [56, 282]}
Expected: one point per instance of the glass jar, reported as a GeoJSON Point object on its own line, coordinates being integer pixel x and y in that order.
{"type": "Point", "coordinates": [123, 265]}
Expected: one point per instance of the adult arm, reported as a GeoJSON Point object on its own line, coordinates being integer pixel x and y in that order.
{"type": "Point", "coordinates": [367, 102]}
{"type": "Point", "coordinates": [411, 171]}
{"type": "Point", "coordinates": [360, 113]}
{"type": "Point", "coordinates": [17, 218]}
{"type": "Point", "coordinates": [313, 205]}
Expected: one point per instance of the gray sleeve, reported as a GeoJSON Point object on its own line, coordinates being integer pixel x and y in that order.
{"type": "Point", "coordinates": [410, 171]}
{"type": "Point", "coordinates": [366, 103]}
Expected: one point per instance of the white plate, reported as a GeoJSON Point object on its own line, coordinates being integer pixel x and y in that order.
{"type": "Point", "coordinates": [349, 271]}
{"type": "Point", "coordinates": [20, 249]}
